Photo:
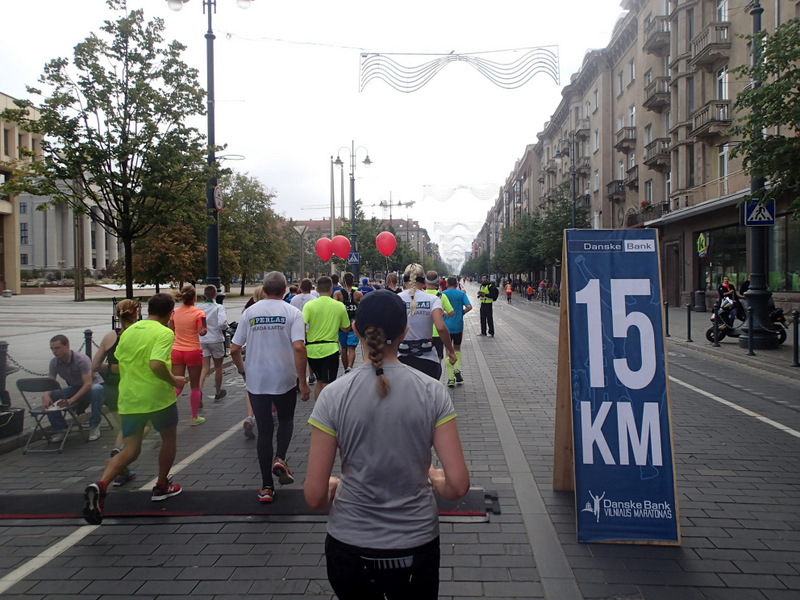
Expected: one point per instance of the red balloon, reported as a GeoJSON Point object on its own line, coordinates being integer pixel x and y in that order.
{"type": "Point", "coordinates": [386, 243]}
{"type": "Point", "coordinates": [341, 246]}
{"type": "Point", "coordinates": [324, 249]}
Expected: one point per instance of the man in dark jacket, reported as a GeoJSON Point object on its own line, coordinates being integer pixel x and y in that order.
{"type": "Point", "coordinates": [487, 294]}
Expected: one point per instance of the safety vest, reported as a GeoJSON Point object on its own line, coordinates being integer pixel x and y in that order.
{"type": "Point", "coordinates": [486, 298]}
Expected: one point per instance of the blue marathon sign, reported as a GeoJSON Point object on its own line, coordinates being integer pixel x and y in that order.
{"type": "Point", "coordinates": [624, 473]}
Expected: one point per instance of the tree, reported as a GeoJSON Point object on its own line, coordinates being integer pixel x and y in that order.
{"type": "Point", "coordinates": [168, 253]}
{"type": "Point", "coordinates": [774, 104]}
{"type": "Point", "coordinates": [114, 135]}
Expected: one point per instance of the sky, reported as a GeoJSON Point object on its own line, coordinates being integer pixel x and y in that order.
{"type": "Point", "coordinates": [288, 98]}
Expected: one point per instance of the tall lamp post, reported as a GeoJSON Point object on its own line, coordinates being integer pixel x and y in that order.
{"type": "Point", "coordinates": [559, 155]}
{"type": "Point", "coordinates": [764, 336]}
{"type": "Point", "coordinates": [301, 229]}
{"type": "Point", "coordinates": [333, 214]}
{"type": "Point", "coordinates": [366, 162]}
{"type": "Point", "coordinates": [212, 233]}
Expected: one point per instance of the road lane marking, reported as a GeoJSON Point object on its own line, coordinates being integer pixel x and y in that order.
{"type": "Point", "coordinates": [741, 409]}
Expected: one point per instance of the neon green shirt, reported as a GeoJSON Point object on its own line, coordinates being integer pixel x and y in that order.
{"type": "Point", "coordinates": [140, 391]}
{"type": "Point", "coordinates": [446, 307]}
{"type": "Point", "coordinates": [324, 317]}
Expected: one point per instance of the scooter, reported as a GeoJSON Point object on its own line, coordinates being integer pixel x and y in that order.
{"type": "Point", "coordinates": [727, 317]}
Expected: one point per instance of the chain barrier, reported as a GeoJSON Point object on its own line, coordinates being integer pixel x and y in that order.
{"type": "Point", "coordinates": [21, 368]}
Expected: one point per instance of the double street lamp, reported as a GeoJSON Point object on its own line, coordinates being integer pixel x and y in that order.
{"type": "Point", "coordinates": [574, 189]}
{"type": "Point", "coordinates": [212, 233]}
{"type": "Point", "coordinates": [366, 162]}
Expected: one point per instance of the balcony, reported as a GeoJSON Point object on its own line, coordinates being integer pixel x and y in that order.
{"type": "Point", "coordinates": [656, 154]}
{"type": "Point", "coordinates": [583, 128]}
{"type": "Point", "coordinates": [616, 190]}
{"type": "Point", "coordinates": [657, 94]}
{"type": "Point", "coordinates": [583, 165]}
{"type": "Point", "coordinates": [625, 139]}
{"type": "Point", "coordinates": [550, 166]}
{"type": "Point", "coordinates": [656, 36]}
{"type": "Point", "coordinates": [632, 180]}
{"type": "Point", "coordinates": [713, 120]}
{"type": "Point", "coordinates": [712, 45]}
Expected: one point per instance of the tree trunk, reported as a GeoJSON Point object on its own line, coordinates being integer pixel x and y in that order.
{"type": "Point", "coordinates": [242, 292]}
{"type": "Point", "coordinates": [127, 243]}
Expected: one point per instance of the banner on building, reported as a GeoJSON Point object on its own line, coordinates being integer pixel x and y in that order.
{"type": "Point", "coordinates": [621, 427]}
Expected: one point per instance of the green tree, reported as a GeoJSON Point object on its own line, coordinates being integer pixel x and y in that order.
{"type": "Point", "coordinates": [168, 253]}
{"type": "Point", "coordinates": [774, 104]}
{"type": "Point", "coordinates": [548, 239]}
{"type": "Point", "coordinates": [114, 134]}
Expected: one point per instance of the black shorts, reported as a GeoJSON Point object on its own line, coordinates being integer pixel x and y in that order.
{"type": "Point", "coordinates": [457, 338]}
{"type": "Point", "coordinates": [439, 345]}
{"type": "Point", "coordinates": [325, 369]}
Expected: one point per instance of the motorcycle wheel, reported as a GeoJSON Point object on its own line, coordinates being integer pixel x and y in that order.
{"type": "Point", "coordinates": [781, 334]}
{"type": "Point", "coordinates": [710, 335]}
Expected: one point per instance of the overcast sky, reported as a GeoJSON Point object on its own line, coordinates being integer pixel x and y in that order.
{"type": "Point", "coordinates": [287, 90]}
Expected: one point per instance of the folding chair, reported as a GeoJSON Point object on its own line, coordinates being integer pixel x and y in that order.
{"type": "Point", "coordinates": [39, 385]}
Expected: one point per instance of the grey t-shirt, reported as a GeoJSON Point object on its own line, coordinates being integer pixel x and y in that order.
{"type": "Point", "coordinates": [73, 370]}
{"type": "Point", "coordinates": [384, 500]}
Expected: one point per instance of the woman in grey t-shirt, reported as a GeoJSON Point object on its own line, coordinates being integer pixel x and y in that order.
{"type": "Point", "coordinates": [384, 417]}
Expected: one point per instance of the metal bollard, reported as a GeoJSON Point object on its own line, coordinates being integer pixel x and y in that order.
{"type": "Point", "coordinates": [114, 314]}
{"type": "Point", "coordinates": [666, 318]}
{"type": "Point", "coordinates": [689, 323]}
{"type": "Point", "coordinates": [87, 341]}
{"type": "Point", "coordinates": [5, 398]}
{"type": "Point", "coordinates": [715, 312]}
{"type": "Point", "coordinates": [795, 319]}
{"type": "Point", "coordinates": [750, 331]}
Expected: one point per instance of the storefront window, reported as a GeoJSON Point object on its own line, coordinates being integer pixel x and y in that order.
{"type": "Point", "coordinates": [784, 256]}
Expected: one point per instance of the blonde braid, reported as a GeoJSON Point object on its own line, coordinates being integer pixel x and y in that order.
{"type": "Point", "coordinates": [375, 340]}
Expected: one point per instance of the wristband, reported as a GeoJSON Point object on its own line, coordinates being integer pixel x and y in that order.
{"type": "Point", "coordinates": [241, 372]}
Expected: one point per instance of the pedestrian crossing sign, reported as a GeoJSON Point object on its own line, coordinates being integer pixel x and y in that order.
{"type": "Point", "coordinates": [759, 213]}
{"type": "Point", "coordinates": [352, 258]}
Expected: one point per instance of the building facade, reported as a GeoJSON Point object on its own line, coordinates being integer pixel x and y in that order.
{"type": "Point", "coordinates": [645, 125]}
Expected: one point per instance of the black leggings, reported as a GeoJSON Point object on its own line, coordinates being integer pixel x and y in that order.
{"type": "Point", "coordinates": [366, 574]}
{"type": "Point", "coordinates": [262, 410]}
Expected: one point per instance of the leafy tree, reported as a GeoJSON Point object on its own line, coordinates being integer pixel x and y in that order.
{"type": "Point", "coordinates": [168, 253]}
{"type": "Point", "coordinates": [114, 134]}
{"type": "Point", "coordinates": [548, 239]}
{"type": "Point", "coordinates": [775, 103]}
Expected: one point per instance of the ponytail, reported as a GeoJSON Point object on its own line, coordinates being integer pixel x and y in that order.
{"type": "Point", "coordinates": [375, 340]}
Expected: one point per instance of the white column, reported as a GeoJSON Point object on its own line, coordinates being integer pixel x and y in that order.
{"type": "Point", "coordinates": [65, 225]}
{"type": "Point", "coordinates": [87, 241]}
{"type": "Point", "coordinates": [100, 245]}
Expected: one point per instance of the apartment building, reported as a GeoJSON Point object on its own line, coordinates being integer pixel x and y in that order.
{"type": "Point", "coordinates": [645, 122]}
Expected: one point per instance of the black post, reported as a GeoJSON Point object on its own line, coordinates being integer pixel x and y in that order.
{"type": "Point", "coordinates": [572, 173]}
{"type": "Point", "coordinates": [666, 318]}
{"type": "Point", "coordinates": [353, 240]}
{"type": "Point", "coordinates": [689, 323]}
{"type": "Point", "coordinates": [114, 314]}
{"type": "Point", "coordinates": [764, 336]}
{"type": "Point", "coordinates": [750, 333]}
{"type": "Point", "coordinates": [795, 318]}
{"type": "Point", "coordinates": [212, 233]}
{"type": "Point", "coordinates": [715, 312]}
{"type": "Point", "coordinates": [87, 341]}
{"type": "Point", "coordinates": [5, 398]}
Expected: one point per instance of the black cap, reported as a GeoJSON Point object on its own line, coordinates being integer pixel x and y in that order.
{"type": "Point", "coordinates": [384, 309]}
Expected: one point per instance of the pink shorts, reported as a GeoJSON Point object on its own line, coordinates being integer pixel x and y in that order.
{"type": "Point", "coordinates": [190, 358]}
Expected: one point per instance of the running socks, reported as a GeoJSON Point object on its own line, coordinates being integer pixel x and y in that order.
{"type": "Point", "coordinates": [195, 397]}
{"type": "Point", "coordinates": [457, 366]}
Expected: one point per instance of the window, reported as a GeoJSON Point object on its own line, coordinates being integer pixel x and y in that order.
{"type": "Point", "coordinates": [6, 141]}
{"type": "Point", "coordinates": [23, 208]}
{"type": "Point", "coordinates": [23, 233]}
{"type": "Point", "coordinates": [621, 169]}
{"type": "Point", "coordinates": [648, 134]}
{"type": "Point", "coordinates": [722, 165]}
{"type": "Point", "coordinates": [632, 115]}
{"type": "Point", "coordinates": [577, 112]}
{"type": "Point", "coordinates": [667, 70]}
{"type": "Point", "coordinates": [596, 180]}
{"type": "Point", "coordinates": [596, 99]}
{"type": "Point", "coordinates": [620, 122]}
{"type": "Point", "coordinates": [689, 97]}
{"type": "Point", "coordinates": [722, 83]}
{"type": "Point", "coordinates": [667, 122]}
{"type": "Point", "coordinates": [631, 71]}
{"type": "Point", "coordinates": [596, 140]}
{"type": "Point", "coordinates": [588, 109]}
{"type": "Point", "coordinates": [631, 160]}
{"type": "Point", "coordinates": [689, 27]}
{"type": "Point", "coordinates": [648, 78]}
{"type": "Point", "coordinates": [620, 84]}
{"type": "Point", "coordinates": [690, 165]}
{"type": "Point", "coordinates": [722, 10]}
{"type": "Point", "coordinates": [23, 259]}
{"type": "Point", "coordinates": [667, 185]}
{"type": "Point", "coordinates": [648, 191]}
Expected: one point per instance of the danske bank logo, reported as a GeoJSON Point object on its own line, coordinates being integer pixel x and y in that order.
{"type": "Point", "coordinates": [626, 509]}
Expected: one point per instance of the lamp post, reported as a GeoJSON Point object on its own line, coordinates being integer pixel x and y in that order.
{"type": "Point", "coordinates": [333, 214]}
{"type": "Point", "coordinates": [764, 336]}
{"type": "Point", "coordinates": [212, 233]}
{"type": "Point", "coordinates": [558, 155]}
{"type": "Point", "coordinates": [301, 229]}
{"type": "Point", "coordinates": [366, 162]}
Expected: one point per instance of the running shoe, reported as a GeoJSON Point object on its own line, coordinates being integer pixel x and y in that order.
{"type": "Point", "coordinates": [167, 491]}
{"type": "Point", "coordinates": [115, 451]}
{"type": "Point", "coordinates": [451, 383]}
{"type": "Point", "coordinates": [281, 470]}
{"type": "Point", "coordinates": [248, 429]}
{"type": "Point", "coordinates": [459, 378]}
{"type": "Point", "coordinates": [221, 395]}
{"type": "Point", "coordinates": [95, 497]}
{"type": "Point", "coordinates": [266, 495]}
{"type": "Point", "coordinates": [312, 380]}
{"type": "Point", "coordinates": [197, 421]}
{"type": "Point", "coordinates": [124, 477]}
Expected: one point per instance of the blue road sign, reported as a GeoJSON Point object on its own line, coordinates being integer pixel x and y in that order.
{"type": "Point", "coordinates": [757, 214]}
{"type": "Point", "coordinates": [352, 258]}
{"type": "Point", "coordinates": [624, 473]}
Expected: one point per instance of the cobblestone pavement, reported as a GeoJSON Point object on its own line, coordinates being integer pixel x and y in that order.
{"type": "Point", "coordinates": [737, 454]}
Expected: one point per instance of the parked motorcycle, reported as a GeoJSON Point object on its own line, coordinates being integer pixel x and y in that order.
{"type": "Point", "coordinates": [727, 318]}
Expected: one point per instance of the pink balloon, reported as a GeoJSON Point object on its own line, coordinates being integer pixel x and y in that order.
{"type": "Point", "coordinates": [386, 243]}
{"type": "Point", "coordinates": [324, 249]}
{"type": "Point", "coordinates": [341, 246]}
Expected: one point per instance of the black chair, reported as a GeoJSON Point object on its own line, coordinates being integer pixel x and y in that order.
{"type": "Point", "coordinates": [39, 385]}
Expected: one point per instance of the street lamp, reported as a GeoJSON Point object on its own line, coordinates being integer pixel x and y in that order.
{"type": "Point", "coordinates": [212, 233]}
{"type": "Point", "coordinates": [301, 229]}
{"type": "Point", "coordinates": [366, 162]}
{"type": "Point", "coordinates": [558, 156]}
{"type": "Point", "coordinates": [333, 214]}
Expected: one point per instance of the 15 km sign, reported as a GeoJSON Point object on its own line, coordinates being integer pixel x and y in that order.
{"type": "Point", "coordinates": [621, 430]}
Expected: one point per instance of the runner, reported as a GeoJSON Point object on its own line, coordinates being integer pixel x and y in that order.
{"type": "Point", "coordinates": [189, 323]}
{"type": "Point", "coordinates": [348, 341]}
{"type": "Point", "coordinates": [455, 325]}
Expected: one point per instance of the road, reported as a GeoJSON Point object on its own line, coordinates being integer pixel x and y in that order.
{"type": "Point", "coordinates": [737, 455]}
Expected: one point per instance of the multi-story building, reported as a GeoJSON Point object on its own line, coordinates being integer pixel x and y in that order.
{"type": "Point", "coordinates": [645, 124]}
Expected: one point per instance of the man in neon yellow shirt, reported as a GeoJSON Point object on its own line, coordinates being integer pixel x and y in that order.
{"type": "Point", "coordinates": [146, 393]}
{"type": "Point", "coordinates": [324, 318]}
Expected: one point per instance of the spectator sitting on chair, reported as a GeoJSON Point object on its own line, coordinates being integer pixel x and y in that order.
{"type": "Point", "coordinates": [84, 388]}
